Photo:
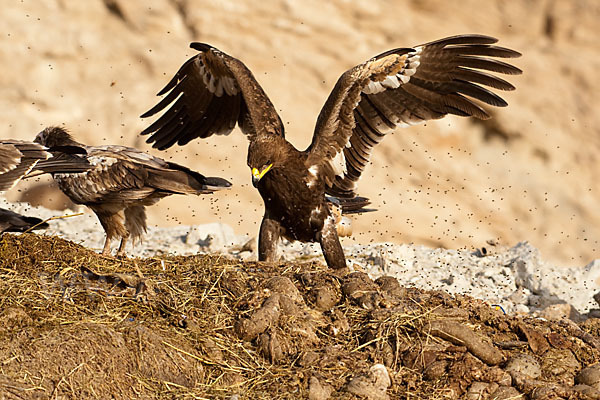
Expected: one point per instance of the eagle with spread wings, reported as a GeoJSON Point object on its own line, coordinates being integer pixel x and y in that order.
{"type": "Point", "coordinates": [212, 92]}
{"type": "Point", "coordinates": [122, 182]}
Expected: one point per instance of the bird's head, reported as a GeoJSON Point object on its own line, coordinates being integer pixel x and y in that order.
{"type": "Point", "coordinates": [55, 136]}
{"type": "Point", "coordinates": [264, 154]}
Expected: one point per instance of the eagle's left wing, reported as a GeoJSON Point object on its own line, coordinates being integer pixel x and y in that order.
{"type": "Point", "coordinates": [403, 87]}
{"type": "Point", "coordinates": [17, 158]}
{"type": "Point", "coordinates": [209, 95]}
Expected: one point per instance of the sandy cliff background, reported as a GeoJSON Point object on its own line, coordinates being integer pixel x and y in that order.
{"type": "Point", "coordinates": [530, 173]}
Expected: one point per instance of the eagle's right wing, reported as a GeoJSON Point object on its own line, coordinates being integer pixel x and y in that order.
{"type": "Point", "coordinates": [210, 93]}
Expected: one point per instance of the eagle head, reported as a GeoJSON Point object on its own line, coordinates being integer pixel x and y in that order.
{"type": "Point", "coordinates": [265, 153]}
{"type": "Point", "coordinates": [55, 136]}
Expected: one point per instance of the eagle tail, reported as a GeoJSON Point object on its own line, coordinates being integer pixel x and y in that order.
{"type": "Point", "coordinates": [182, 180]}
{"type": "Point", "coordinates": [216, 183]}
{"type": "Point", "coordinates": [351, 206]}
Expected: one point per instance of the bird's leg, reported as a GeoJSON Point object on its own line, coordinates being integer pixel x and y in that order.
{"type": "Point", "coordinates": [270, 231]}
{"type": "Point", "coordinates": [121, 251]}
{"type": "Point", "coordinates": [106, 249]}
{"type": "Point", "coordinates": [330, 244]}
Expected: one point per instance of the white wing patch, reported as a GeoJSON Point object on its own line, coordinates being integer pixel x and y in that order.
{"type": "Point", "coordinates": [395, 81]}
{"type": "Point", "coordinates": [218, 85]}
{"type": "Point", "coordinates": [338, 163]}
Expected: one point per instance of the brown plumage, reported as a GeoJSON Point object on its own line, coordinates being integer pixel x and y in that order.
{"type": "Point", "coordinates": [19, 157]}
{"type": "Point", "coordinates": [12, 222]}
{"type": "Point", "coordinates": [122, 181]}
{"type": "Point", "coordinates": [213, 91]}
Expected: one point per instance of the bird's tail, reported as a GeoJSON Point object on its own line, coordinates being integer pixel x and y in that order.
{"type": "Point", "coordinates": [351, 206]}
{"type": "Point", "coordinates": [216, 183]}
{"type": "Point", "coordinates": [182, 180]}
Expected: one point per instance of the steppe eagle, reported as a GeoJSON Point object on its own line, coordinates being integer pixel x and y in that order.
{"type": "Point", "coordinates": [122, 182]}
{"type": "Point", "coordinates": [212, 92]}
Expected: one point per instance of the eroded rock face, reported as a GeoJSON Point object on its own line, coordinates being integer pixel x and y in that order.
{"type": "Point", "coordinates": [460, 182]}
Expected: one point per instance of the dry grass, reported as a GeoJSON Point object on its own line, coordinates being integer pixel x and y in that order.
{"type": "Point", "coordinates": [76, 325]}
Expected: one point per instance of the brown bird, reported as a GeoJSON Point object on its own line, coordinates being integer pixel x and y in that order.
{"type": "Point", "coordinates": [212, 92]}
{"type": "Point", "coordinates": [19, 157]}
{"type": "Point", "coordinates": [12, 222]}
{"type": "Point", "coordinates": [122, 181]}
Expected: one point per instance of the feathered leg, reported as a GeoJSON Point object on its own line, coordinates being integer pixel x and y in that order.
{"type": "Point", "coordinates": [106, 248]}
{"type": "Point", "coordinates": [135, 223]}
{"type": "Point", "coordinates": [270, 232]}
{"type": "Point", "coordinates": [113, 227]}
{"type": "Point", "coordinates": [121, 251]}
{"type": "Point", "coordinates": [330, 244]}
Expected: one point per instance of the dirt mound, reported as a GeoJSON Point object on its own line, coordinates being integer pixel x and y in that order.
{"type": "Point", "coordinates": [77, 325]}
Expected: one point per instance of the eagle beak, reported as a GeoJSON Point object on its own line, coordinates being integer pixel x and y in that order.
{"type": "Point", "coordinates": [257, 175]}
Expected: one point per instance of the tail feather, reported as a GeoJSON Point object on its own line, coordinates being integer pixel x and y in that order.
{"type": "Point", "coordinates": [351, 206]}
{"type": "Point", "coordinates": [180, 179]}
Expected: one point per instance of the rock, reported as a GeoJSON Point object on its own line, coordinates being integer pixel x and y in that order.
{"type": "Point", "coordinates": [560, 365]}
{"type": "Point", "coordinates": [390, 285]}
{"type": "Point", "coordinates": [325, 296]}
{"type": "Point", "coordinates": [506, 393]}
{"type": "Point", "coordinates": [461, 335]}
{"type": "Point", "coordinates": [589, 376]}
{"type": "Point", "coordinates": [373, 385]}
{"type": "Point", "coordinates": [249, 328]}
{"type": "Point", "coordinates": [525, 364]}
{"type": "Point", "coordinates": [339, 323]}
{"type": "Point", "coordinates": [436, 370]}
{"type": "Point", "coordinates": [537, 341]}
{"type": "Point", "coordinates": [283, 285]}
{"type": "Point", "coordinates": [317, 390]}
{"type": "Point", "coordinates": [270, 346]}
{"type": "Point", "coordinates": [559, 311]}
{"type": "Point", "coordinates": [597, 296]}
{"type": "Point", "coordinates": [480, 390]}
{"type": "Point", "coordinates": [588, 391]}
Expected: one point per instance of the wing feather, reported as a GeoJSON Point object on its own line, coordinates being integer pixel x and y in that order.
{"type": "Point", "coordinates": [403, 87]}
{"type": "Point", "coordinates": [18, 158]}
{"type": "Point", "coordinates": [208, 95]}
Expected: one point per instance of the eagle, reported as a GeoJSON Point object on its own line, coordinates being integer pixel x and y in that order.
{"type": "Point", "coordinates": [122, 182]}
{"type": "Point", "coordinates": [10, 221]}
{"type": "Point", "coordinates": [213, 91]}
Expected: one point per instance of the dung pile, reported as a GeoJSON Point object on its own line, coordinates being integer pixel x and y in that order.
{"type": "Point", "coordinates": [75, 325]}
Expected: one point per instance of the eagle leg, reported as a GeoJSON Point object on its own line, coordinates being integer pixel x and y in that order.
{"type": "Point", "coordinates": [270, 232]}
{"type": "Point", "coordinates": [121, 251]}
{"type": "Point", "coordinates": [106, 248]}
{"type": "Point", "coordinates": [330, 244]}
